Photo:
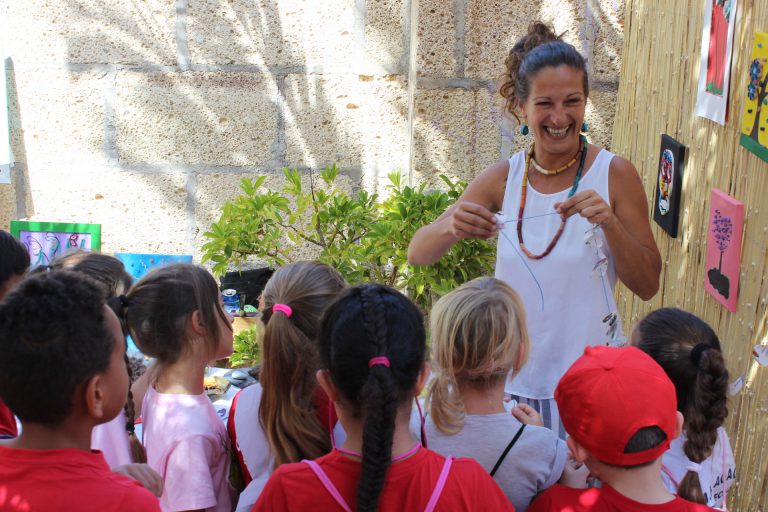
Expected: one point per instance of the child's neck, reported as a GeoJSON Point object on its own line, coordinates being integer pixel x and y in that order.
{"type": "Point", "coordinates": [184, 377]}
{"type": "Point", "coordinates": [402, 440]}
{"type": "Point", "coordinates": [483, 399]}
{"type": "Point", "coordinates": [72, 433]}
{"type": "Point", "coordinates": [643, 485]}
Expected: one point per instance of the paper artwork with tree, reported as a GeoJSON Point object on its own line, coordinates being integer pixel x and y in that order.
{"type": "Point", "coordinates": [754, 121]}
{"type": "Point", "coordinates": [724, 248]}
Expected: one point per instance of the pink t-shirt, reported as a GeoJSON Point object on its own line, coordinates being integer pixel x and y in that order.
{"type": "Point", "coordinates": [187, 444]}
{"type": "Point", "coordinates": [112, 439]}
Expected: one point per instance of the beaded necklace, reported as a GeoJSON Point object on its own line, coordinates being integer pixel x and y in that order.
{"type": "Point", "coordinates": [548, 172]}
{"type": "Point", "coordinates": [575, 186]}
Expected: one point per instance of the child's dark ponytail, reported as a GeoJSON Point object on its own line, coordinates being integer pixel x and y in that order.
{"type": "Point", "coordinates": [379, 397]}
{"type": "Point", "coordinates": [372, 341]}
{"type": "Point", "coordinates": [138, 454]}
{"type": "Point", "coordinates": [689, 351]}
{"type": "Point", "coordinates": [705, 413]}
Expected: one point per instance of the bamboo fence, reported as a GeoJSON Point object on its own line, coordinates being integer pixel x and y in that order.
{"type": "Point", "coordinates": [658, 95]}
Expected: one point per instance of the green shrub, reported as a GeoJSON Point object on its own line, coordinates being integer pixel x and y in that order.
{"type": "Point", "coordinates": [246, 347]}
{"type": "Point", "coordinates": [364, 238]}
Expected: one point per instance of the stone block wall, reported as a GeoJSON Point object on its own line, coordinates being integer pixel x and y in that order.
{"type": "Point", "coordinates": [143, 116]}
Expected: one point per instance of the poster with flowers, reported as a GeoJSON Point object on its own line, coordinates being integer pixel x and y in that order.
{"type": "Point", "coordinates": [716, 52]}
{"type": "Point", "coordinates": [726, 221]}
{"type": "Point", "coordinates": [754, 119]}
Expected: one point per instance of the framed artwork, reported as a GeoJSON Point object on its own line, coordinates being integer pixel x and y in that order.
{"type": "Point", "coordinates": [46, 240]}
{"type": "Point", "coordinates": [138, 265]}
{"type": "Point", "coordinates": [754, 119]}
{"type": "Point", "coordinates": [716, 52]}
{"type": "Point", "coordinates": [669, 182]}
{"type": "Point", "coordinates": [726, 221]}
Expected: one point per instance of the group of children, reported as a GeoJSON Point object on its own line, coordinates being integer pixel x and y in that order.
{"type": "Point", "coordinates": [335, 421]}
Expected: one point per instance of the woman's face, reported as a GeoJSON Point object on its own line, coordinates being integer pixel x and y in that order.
{"type": "Point", "coordinates": [555, 108]}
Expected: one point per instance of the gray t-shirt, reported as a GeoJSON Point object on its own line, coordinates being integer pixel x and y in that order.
{"type": "Point", "coordinates": [535, 462]}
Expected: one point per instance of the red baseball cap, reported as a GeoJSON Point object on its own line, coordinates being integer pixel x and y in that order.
{"type": "Point", "coordinates": [608, 395]}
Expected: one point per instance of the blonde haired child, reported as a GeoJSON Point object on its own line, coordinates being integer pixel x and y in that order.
{"type": "Point", "coordinates": [479, 335]}
{"type": "Point", "coordinates": [175, 314]}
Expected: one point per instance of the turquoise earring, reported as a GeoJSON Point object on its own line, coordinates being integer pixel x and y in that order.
{"type": "Point", "coordinates": [584, 127]}
{"type": "Point", "coordinates": [523, 129]}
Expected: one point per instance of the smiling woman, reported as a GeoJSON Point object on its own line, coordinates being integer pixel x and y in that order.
{"type": "Point", "coordinates": [572, 218]}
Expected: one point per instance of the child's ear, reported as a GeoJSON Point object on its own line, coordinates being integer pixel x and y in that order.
{"type": "Point", "coordinates": [423, 378]}
{"type": "Point", "coordinates": [196, 323]}
{"type": "Point", "coordinates": [324, 379]}
{"type": "Point", "coordinates": [579, 453]}
{"type": "Point", "coordinates": [679, 425]}
{"type": "Point", "coordinates": [95, 398]}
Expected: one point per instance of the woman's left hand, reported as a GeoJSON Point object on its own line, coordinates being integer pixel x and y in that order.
{"type": "Point", "coordinates": [590, 205]}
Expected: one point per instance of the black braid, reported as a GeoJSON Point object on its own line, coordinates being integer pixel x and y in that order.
{"type": "Point", "coordinates": [379, 397]}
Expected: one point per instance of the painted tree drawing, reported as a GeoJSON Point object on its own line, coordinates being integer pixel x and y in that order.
{"type": "Point", "coordinates": [754, 122]}
{"type": "Point", "coordinates": [724, 248]}
{"type": "Point", "coordinates": [722, 229]}
{"type": "Point", "coordinates": [718, 46]}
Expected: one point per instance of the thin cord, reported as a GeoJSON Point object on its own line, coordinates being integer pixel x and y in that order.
{"type": "Point", "coordinates": [531, 217]}
{"type": "Point", "coordinates": [541, 292]}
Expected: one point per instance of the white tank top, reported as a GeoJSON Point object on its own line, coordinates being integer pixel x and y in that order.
{"type": "Point", "coordinates": [567, 314]}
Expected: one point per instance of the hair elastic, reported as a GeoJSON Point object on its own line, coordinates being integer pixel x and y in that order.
{"type": "Point", "coordinates": [697, 352]}
{"type": "Point", "coordinates": [124, 301]}
{"type": "Point", "coordinates": [378, 360]}
{"type": "Point", "coordinates": [284, 308]}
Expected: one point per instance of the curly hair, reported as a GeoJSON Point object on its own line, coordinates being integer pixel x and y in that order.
{"type": "Point", "coordinates": [537, 49]}
{"type": "Point", "coordinates": [15, 258]}
{"type": "Point", "coordinates": [370, 321]}
{"type": "Point", "coordinates": [669, 335]}
{"type": "Point", "coordinates": [52, 334]}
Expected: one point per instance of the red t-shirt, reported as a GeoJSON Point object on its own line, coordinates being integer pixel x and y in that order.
{"type": "Point", "coordinates": [7, 421]}
{"type": "Point", "coordinates": [66, 479]}
{"type": "Point", "coordinates": [408, 486]}
{"type": "Point", "coordinates": [560, 498]}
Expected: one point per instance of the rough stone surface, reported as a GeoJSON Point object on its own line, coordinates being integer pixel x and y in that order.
{"type": "Point", "coordinates": [385, 37]}
{"type": "Point", "coordinates": [7, 206]}
{"type": "Point", "coordinates": [269, 33]}
{"type": "Point", "coordinates": [138, 212]}
{"type": "Point", "coordinates": [354, 121]}
{"type": "Point", "coordinates": [195, 118]}
{"type": "Point", "coordinates": [457, 133]}
{"type": "Point", "coordinates": [437, 51]}
{"type": "Point", "coordinates": [91, 31]}
{"type": "Point", "coordinates": [601, 109]}
{"type": "Point", "coordinates": [58, 115]}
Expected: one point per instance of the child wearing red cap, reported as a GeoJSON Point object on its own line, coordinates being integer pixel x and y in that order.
{"type": "Point", "coordinates": [620, 410]}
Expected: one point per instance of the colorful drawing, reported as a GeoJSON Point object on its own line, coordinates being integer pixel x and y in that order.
{"type": "Point", "coordinates": [669, 184]}
{"type": "Point", "coordinates": [138, 265]}
{"type": "Point", "coordinates": [724, 248]}
{"type": "Point", "coordinates": [46, 240]}
{"type": "Point", "coordinates": [755, 117]}
{"type": "Point", "coordinates": [716, 53]}
{"type": "Point", "coordinates": [718, 46]}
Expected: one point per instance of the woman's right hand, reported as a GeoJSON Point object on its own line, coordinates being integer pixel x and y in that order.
{"type": "Point", "coordinates": [471, 220]}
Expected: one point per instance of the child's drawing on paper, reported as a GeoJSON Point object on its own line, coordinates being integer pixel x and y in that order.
{"type": "Point", "coordinates": [718, 46]}
{"type": "Point", "coordinates": [754, 121]}
{"type": "Point", "coordinates": [45, 246]}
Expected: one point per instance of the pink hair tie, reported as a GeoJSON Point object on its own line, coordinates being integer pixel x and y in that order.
{"type": "Point", "coordinates": [378, 360]}
{"type": "Point", "coordinates": [284, 308]}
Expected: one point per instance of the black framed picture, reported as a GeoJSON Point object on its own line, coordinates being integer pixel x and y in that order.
{"type": "Point", "coordinates": [669, 183]}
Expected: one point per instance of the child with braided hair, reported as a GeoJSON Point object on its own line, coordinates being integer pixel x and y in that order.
{"type": "Point", "coordinates": [372, 348]}
{"type": "Point", "coordinates": [699, 465]}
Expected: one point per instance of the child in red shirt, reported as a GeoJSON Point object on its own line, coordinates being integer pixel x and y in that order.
{"type": "Point", "coordinates": [62, 373]}
{"type": "Point", "coordinates": [620, 410]}
{"type": "Point", "coordinates": [372, 346]}
{"type": "Point", "coordinates": [14, 262]}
